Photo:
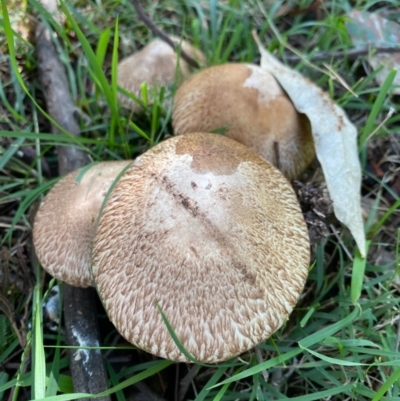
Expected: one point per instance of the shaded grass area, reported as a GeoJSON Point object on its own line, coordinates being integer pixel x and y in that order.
{"type": "Point", "coordinates": [331, 347]}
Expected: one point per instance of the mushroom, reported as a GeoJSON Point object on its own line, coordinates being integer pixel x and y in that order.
{"type": "Point", "coordinates": [249, 103]}
{"type": "Point", "coordinates": [65, 223]}
{"type": "Point", "coordinates": [156, 64]}
{"type": "Point", "coordinates": [214, 238]}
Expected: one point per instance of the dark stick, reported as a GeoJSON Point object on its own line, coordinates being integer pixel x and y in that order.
{"type": "Point", "coordinates": [87, 366]}
{"type": "Point", "coordinates": [187, 381]}
{"type": "Point", "coordinates": [277, 155]}
{"type": "Point", "coordinates": [162, 35]}
{"type": "Point", "coordinates": [58, 100]}
{"type": "Point", "coordinates": [350, 54]}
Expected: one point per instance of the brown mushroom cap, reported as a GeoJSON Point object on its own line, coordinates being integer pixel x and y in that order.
{"type": "Point", "coordinates": [65, 223]}
{"type": "Point", "coordinates": [214, 235]}
{"type": "Point", "coordinates": [156, 64]}
{"type": "Point", "coordinates": [249, 102]}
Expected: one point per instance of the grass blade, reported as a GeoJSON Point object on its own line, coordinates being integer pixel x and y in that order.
{"type": "Point", "coordinates": [95, 67]}
{"type": "Point", "coordinates": [126, 383]}
{"type": "Point", "coordinates": [377, 107]}
{"type": "Point", "coordinates": [10, 40]}
{"type": "Point", "coordinates": [176, 339]}
{"type": "Point", "coordinates": [357, 275]}
{"type": "Point", "coordinates": [260, 367]}
{"type": "Point", "coordinates": [329, 331]}
{"type": "Point", "coordinates": [323, 395]}
{"type": "Point", "coordinates": [38, 356]}
{"type": "Point", "coordinates": [382, 220]}
{"type": "Point", "coordinates": [395, 376]}
{"type": "Point", "coordinates": [102, 45]}
{"type": "Point", "coordinates": [214, 378]}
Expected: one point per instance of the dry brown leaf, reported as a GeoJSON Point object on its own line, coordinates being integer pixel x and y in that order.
{"type": "Point", "coordinates": [335, 139]}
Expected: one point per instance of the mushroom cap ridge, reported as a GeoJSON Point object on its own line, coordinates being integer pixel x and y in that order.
{"type": "Point", "coordinates": [249, 102]}
{"type": "Point", "coordinates": [65, 223]}
{"type": "Point", "coordinates": [214, 236]}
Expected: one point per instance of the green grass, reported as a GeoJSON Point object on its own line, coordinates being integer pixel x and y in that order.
{"type": "Point", "coordinates": [341, 342]}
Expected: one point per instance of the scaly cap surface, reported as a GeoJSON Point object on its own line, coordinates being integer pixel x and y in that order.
{"type": "Point", "coordinates": [65, 223]}
{"type": "Point", "coordinates": [206, 229]}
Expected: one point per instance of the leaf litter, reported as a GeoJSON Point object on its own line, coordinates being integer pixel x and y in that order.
{"type": "Point", "coordinates": [370, 29]}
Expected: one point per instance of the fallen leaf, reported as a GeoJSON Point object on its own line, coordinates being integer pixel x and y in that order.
{"type": "Point", "coordinates": [370, 29]}
{"type": "Point", "coordinates": [335, 139]}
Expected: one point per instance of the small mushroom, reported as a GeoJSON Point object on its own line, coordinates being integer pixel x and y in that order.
{"type": "Point", "coordinates": [65, 223]}
{"type": "Point", "coordinates": [214, 237]}
{"type": "Point", "coordinates": [250, 104]}
{"type": "Point", "coordinates": [156, 64]}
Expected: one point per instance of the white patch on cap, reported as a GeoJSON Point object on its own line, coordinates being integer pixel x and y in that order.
{"type": "Point", "coordinates": [267, 86]}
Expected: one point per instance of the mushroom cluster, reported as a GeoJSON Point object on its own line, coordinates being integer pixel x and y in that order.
{"type": "Point", "coordinates": [199, 230]}
{"type": "Point", "coordinates": [243, 100]}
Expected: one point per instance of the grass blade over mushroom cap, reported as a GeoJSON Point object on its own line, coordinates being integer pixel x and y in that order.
{"type": "Point", "coordinates": [66, 220]}
{"type": "Point", "coordinates": [206, 229]}
{"type": "Point", "coordinates": [157, 65]}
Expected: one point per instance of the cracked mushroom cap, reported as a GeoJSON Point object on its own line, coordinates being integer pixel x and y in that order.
{"type": "Point", "coordinates": [214, 236]}
{"type": "Point", "coordinates": [156, 64]}
{"type": "Point", "coordinates": [249, 102]}
{"type": "Point", "coordinates": [65, 223]}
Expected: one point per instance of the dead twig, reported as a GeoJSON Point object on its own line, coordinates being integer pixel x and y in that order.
{"type": "Point", "coordinates": [162, 35]}
{"type": "Point", "coordinates": [351, 54]}
{"type": "Point", "coordinates": [187, 381]}
{"type": "Point", "coordinates": [86, 365]}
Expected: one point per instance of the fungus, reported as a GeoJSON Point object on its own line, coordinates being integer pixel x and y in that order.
{"type": "Point", "coordinates": [65, 223]}
{"type": "Point", "coordinates": [214, 237]}
{"type": "Point", "coordinates": [247, 101]}
{"type": "Point", "coordinates": [156, 64]}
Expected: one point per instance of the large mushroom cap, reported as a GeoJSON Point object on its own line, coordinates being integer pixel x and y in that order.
{"type": "Point", "coordinates": [249, 102]}
{"type": "Point", "coordinates": [65, 223]}
{"type": "Point", "coordinates": [157, 65]}
{"type": "Point", "coordinates": [214, 236]}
